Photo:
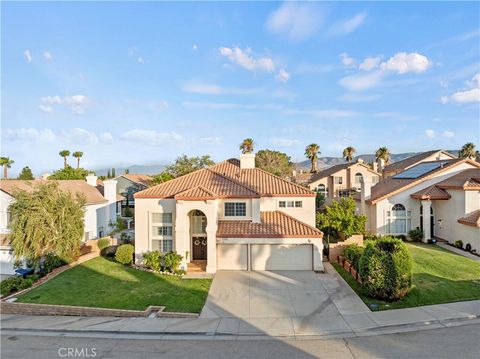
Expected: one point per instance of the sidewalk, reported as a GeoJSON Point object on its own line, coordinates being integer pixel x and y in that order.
{"type": "Point", "coordinates": [458, 251]}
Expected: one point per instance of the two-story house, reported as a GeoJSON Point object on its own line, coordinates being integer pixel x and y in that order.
{"type": "Point", "coordinates": [231, 216]}
{"type": "Point", "coordinates": [127, 185]}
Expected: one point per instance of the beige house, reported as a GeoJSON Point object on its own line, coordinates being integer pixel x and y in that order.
{"type": "Point", "coordinates": [342, 180]}
{"type": "Point", "coordinates": [440, 197]}
{"type": "Point", "coordinates": [231, 216]}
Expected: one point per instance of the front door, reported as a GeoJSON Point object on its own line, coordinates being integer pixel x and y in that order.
{"type": "Point", "coordinates": [199, 248]}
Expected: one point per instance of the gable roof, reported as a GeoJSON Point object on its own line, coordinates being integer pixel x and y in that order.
{"type": "Point", "coordinates": [91, 193]}
{"type": "Point", "coordinates": [137, 178]}
{"type": "Point", "coordinates": [466, 180]}
{"type": "Point", "coordinates": [226, 180]}
{"type": "Point", "coordinates": [334, 169]}
{"type": "Point", "coordinates": [197, 193]}
{"type": "Point", "coordinates": [391, 186]}
{"type": "Point", "coordinates": [273, 224]}
{"type": "Point", "coordinates": [432, 192]}
{"type": "Point", "coordinates": [413, 160]}
{"type": "Point", "coordinates": [471, 219]}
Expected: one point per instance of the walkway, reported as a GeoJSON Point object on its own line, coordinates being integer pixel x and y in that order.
{"type": "Point", "coordinates": [458, 251]}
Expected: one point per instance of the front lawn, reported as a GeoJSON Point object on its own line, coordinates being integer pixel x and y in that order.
{"type": "Point", "coordinates": [438, 276]}
{"type": "Point", "coordinates": [102, 283]}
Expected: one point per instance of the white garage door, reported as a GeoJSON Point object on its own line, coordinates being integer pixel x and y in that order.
{"type": "Point", "coordinates": [232, 257]}
{"type": "Point", "coordinates": [6, 262]}
{"type": "Point", "coordinates": [281, 257]}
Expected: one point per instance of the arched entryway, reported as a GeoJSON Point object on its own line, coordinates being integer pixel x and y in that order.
{"type": "Point", "coordinates": [432, 221]}
{"type": "Point", "coordinates": [198, 235]}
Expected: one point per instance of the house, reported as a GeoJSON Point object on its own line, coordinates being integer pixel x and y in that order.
{"type": "Point", "coordinates": [440, 197]}
{"type": "Point", "coordinates": [127, 185]}
{"type": "Point", "coordinates": [342, 180]}
{"type": "Point", "coordinates": [400, 166]}
{"type": "Point", "coordinates": [101, 209]}
{"type": "Point", "coordinates": [231, 216]}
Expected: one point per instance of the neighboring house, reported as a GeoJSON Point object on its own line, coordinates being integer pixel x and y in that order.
{"type": "Point", "coordinates": [231, 216]}
{"type": "Point", "coordinates": [341, 180]}
{"type": "Point", "coordinates": [400, 166]}
{"type": "Point", "coordinates": [101, 209]}
{"type": "Point", "coordinates": [128, 184]}
{"type": "Point", "coordinates": [440, 197]}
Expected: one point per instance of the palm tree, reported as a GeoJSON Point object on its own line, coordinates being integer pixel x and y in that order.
{"type": "Point", "coordinates": [312, 151]}
{"type": "Point", "coordinates": [348, 153]}
{"type": "Point", "coordinates": [468, 151]}
{"type": "Point", "coordinates": [77, 155]}
{"type": "Point", "coordinates": [6, 163]}
{"type": "Point", "coordinates": [247, 145]}
{"type": "Point", "coordinates": [383, 154]}
{"type": "Point", "coordinates": [64, 154]}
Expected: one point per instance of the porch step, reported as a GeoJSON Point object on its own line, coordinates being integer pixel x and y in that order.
{"type": "Point", "coordinates": [197, 266]}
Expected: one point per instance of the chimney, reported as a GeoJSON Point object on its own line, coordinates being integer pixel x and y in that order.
{"type": "Point", "coordinates": [294, 173]}
{"type": "Point", "coordinates": [110, 190]}
{"type": "Point", "coordinates": [365, 193]}
{"type": "Point", "coordinates": [247, 161]}
{"type": "Point", "coordinates": [381, 165]}
{"type": "Point", "coordinates": [360, 160]}
{"type": "Point", "coordinates": [375, 166]}
{"type": "Point", "coordinates": [91, 179]}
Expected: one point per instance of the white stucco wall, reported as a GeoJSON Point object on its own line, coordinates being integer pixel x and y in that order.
{"type": "Point", "coordinates": [5, 201]}
{"type": "Point", "coordinates": [305, 214]}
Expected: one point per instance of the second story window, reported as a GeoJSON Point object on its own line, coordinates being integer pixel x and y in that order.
{"type": "Point", "coordinates": [290, 204]}
{"type": "Point", "coordinates": [235, 209]}
{"type": "Point", "coordinates": [338, 180]}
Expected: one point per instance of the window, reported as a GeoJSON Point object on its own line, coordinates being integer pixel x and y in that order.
{"type": "Point", "coordinates": [290, 204]}
{"type": "Point", "coordinates": [375, 179]}
{"type": "Point", "coordinates": [162, 218]}
{"type": "Point", "coordinates": [358, 178]}
{"type": "Point", "coordinates": [344, 193]}
{"type": "Point", "coordinates": [235, 209]}
{"type": "Point", "coordinates": [298, 204]}
{"type": "Point", "coordinates": [398, 220]}
{"type": "Point", "coordinates": [162, 232]}
{"type": "Point", "coordinates": [165, 245]}
{"type": "Point", "coordinates": [338, 180]}
{"type": "Point", "coordinates": [199, 224]}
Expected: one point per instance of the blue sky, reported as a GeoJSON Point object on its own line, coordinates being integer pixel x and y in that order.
{"type": "Point", "coordinates": [141, 83]}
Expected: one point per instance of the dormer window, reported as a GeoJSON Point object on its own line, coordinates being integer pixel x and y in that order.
{"type": "Point", "coordinates": [235, 209]}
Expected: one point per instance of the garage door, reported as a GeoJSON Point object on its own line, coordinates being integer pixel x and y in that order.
{"type": "Point", "coordinates": [6, 262]}
{"type": "Point", "coordinates": [281, 256]}
{"type": "Point", "coordinates": [232, 257]}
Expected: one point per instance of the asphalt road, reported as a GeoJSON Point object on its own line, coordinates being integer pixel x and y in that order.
{"type": "Point", "coordinates": [455, 342]}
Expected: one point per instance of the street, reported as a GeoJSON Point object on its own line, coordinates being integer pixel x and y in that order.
{"type": "Point", "coordinates": [454, 342]}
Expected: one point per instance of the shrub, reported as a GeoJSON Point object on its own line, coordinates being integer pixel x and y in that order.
{"type": "Point", "coordinates": [353, 253]}
{"type": "Point", "coordinates": [402, 237]}
{"type": "Point", "coordinates": [51, 262]}
{"type": "Point", "coordinates": [171, 261]}
{"type": "Point", "coordinates": [341, 216]}
{"type": "Point", "coordinates": [125, 239]}
{"type": "Point", "coordinates": [125, 253]}
{"type": "Point", "coordinates": [416, 235]}
{"type": "Point", "coordinates": [103, 243]}
{"type": "Point", "coordinates": [459, 244]}
{"type": "Point", "coordinates": [110, 251]}
{"type": "Point", "coordinates": [16, 283]}
{"type": "Point", "coordinates": [153, 260]}
{"type": "Point", "coordinates": [386, 269]}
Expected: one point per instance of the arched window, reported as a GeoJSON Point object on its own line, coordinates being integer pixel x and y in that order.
{"type": "Point", "coordinates": [322, 189]}
{"type": "Point", "coordinates": [358, 178]}
{"type": "Point", "coordinates": [398, 220]}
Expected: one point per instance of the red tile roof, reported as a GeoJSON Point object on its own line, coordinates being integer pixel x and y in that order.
{"type": "Point", "coordinates": [138, 178]}
{"type": "Point", "coordinates": [431, 192]}
{"type": "Point", "coordinates": [467, 180]}
{"type": "Point", "coordinates": [471, 219]}
{"type": "Point", "coordinates": [197, 193]}
{"type": "Point", "coordinates": [337, 168]}
{"type": "Point", "coordinates": [273, 224]}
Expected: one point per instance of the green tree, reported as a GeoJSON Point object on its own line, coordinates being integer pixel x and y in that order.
{"type": "Point", "coordinates": [78, 155]}
{"type": "Point", "coordinates": [275, 162]}
{"type": "Point", "coordinates": [69, 173]}
{"type": "Point", "coordinates": [26, 174]}
{"type": "Point", "coordinates": [161, 178]}
{"type": "Point", "coordinates": [341, 217]}
{"type": "Point", "coordinates": [46, 220]}
{"type": "Point", "coordinates": [113, 172]}
{"type": "Point", "coordinates": [6, 163]}
{"type": "Point", "coordinates": [468, 151]}
{"type": "Point", "coordinates": [348, 153]}
{"type": "Point", "coordinates": [311, 152]}
{"type": "Point", "coordinates": [64, 154]}
{"type": "Point", "coordinates": [184, 165]}
{"type": "Point", "coordinates": [247, 146]}
{"type": "Point", "coordinates": [383, 154]}
{"type": "Point", "coordinates": [127, 171]}
{"type": "Point", "coordinates": [109, 174]}
{"type": "Point", "coordinates": [319, 200]}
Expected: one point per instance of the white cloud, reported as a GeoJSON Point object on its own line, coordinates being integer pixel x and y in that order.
{"type": "Point", "coordinates": [284, 142]}
{"type": "Point", "coordinates": [332, 113]}
{"type": "Point", "coordinates": [213, 89]}
{"type": "Point", "coordinates": [45, 108]}
{"type": "Point", "coordinates": [355, 97]}
{"type": "Point", "coordinates": [444, 99]}
{"type": "Point", "coordinates": [160, 105]}
{"type": "Point", "coordinates": [106, 137]}
{"type": "Point", "coordinates": [448, 134]}
{"type": "Point", "coordinates": [296, 21]}
{"type": "Point", "coordinates": [27, 55]}
{"type": "Point", "coordinates": [210, 140]}
{"type": "Point", "coordinates": [430, 133]}
{"type": "Point", "coordinates": [194, 47]}
{"type": "Point", "coordinates": [141, 60]}
{"type": "Point", "coordinates": [369, 63]}
{"type": "Point", "coordinates": [245, 58]}
{"type": "Point", "coordinates": [52, 100]}
{"type": "Point", "coordinates": [348, 26]}
{"type": "Point", "coordinates": [47, 56]}
{"type": "Point", "coordinates": [77, 103]}
{"type": "Point", "coordinates": [229, 105]}
{"type": "Point", "coordinates": [28, 134]}
{"type": "Point", "coordinates": [283, 75]}
{"type": "Point", "coordinates": [347, 60]}
{"type": "Point", "coordinates": [151, 137]}
{"type": "Point", "coordinates": [81, 136]}
{"type": "Point", "coordinates": [362, 81]}
{"type": "Point", "coordinates": [467, 95]}
{"type": "Point", "coordinates": [403, 63]}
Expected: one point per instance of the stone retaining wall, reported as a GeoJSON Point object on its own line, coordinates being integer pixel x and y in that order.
{"type": "Point", "coordinates": [336, 249]}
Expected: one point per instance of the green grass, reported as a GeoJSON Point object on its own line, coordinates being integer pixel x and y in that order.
{"type": "Point", "coordinates": [102, 283]}
{"type": "Point", "coordinates": [438, 276]}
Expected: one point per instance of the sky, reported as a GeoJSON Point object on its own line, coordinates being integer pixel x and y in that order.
{"type": "Point", "coordinates": [142, 83]}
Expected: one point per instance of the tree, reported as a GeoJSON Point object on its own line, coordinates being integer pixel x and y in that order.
{"type": "Point", "coordinates": [247, 146]}
{"type": "Point", "coordinates": [468, 151]}
{"type": "Point", "coordinates": [113, 172]}
{"type": "Point", "coordinates": [127, 171]}
{"type": "Point", "coordinates": [161, 178]}
{"type": "Point", "coordinates": [108, 174]}
{"type": "Point", "coordinates": [6, 163]}
{"type": "Point", "coordinates": [64, 154]}
{"type": "Point", "coordinates": [341, 217]}
{"type": "Point", "coordinates": [312, 151]}
{"type": "Point", "coordinates": [382, 154]}
{"type": "Point", "coordinates": [184, 165]}
{"type": "Point", "coordinates": [69, 173]}
{"type": "Point", "coordinates": [78, 155]}
{"type": "Point", "coordinates": [46, 220]}
{"type": "Point", "coordinates": [275, 162]}
{"type": "Point", "coordinates": [26, 174]}
{"type": "Point", "coordinates": [348, 153]}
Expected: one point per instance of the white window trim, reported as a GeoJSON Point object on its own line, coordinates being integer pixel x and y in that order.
{"type": "Point", "coordinates": [294, 206]}
{"type": "Point", "coordinates": [235, 216]}
{"type": "Point", "coordinates": [161, 238]}
{"type": "Point", "coordinates": [390, 220]}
